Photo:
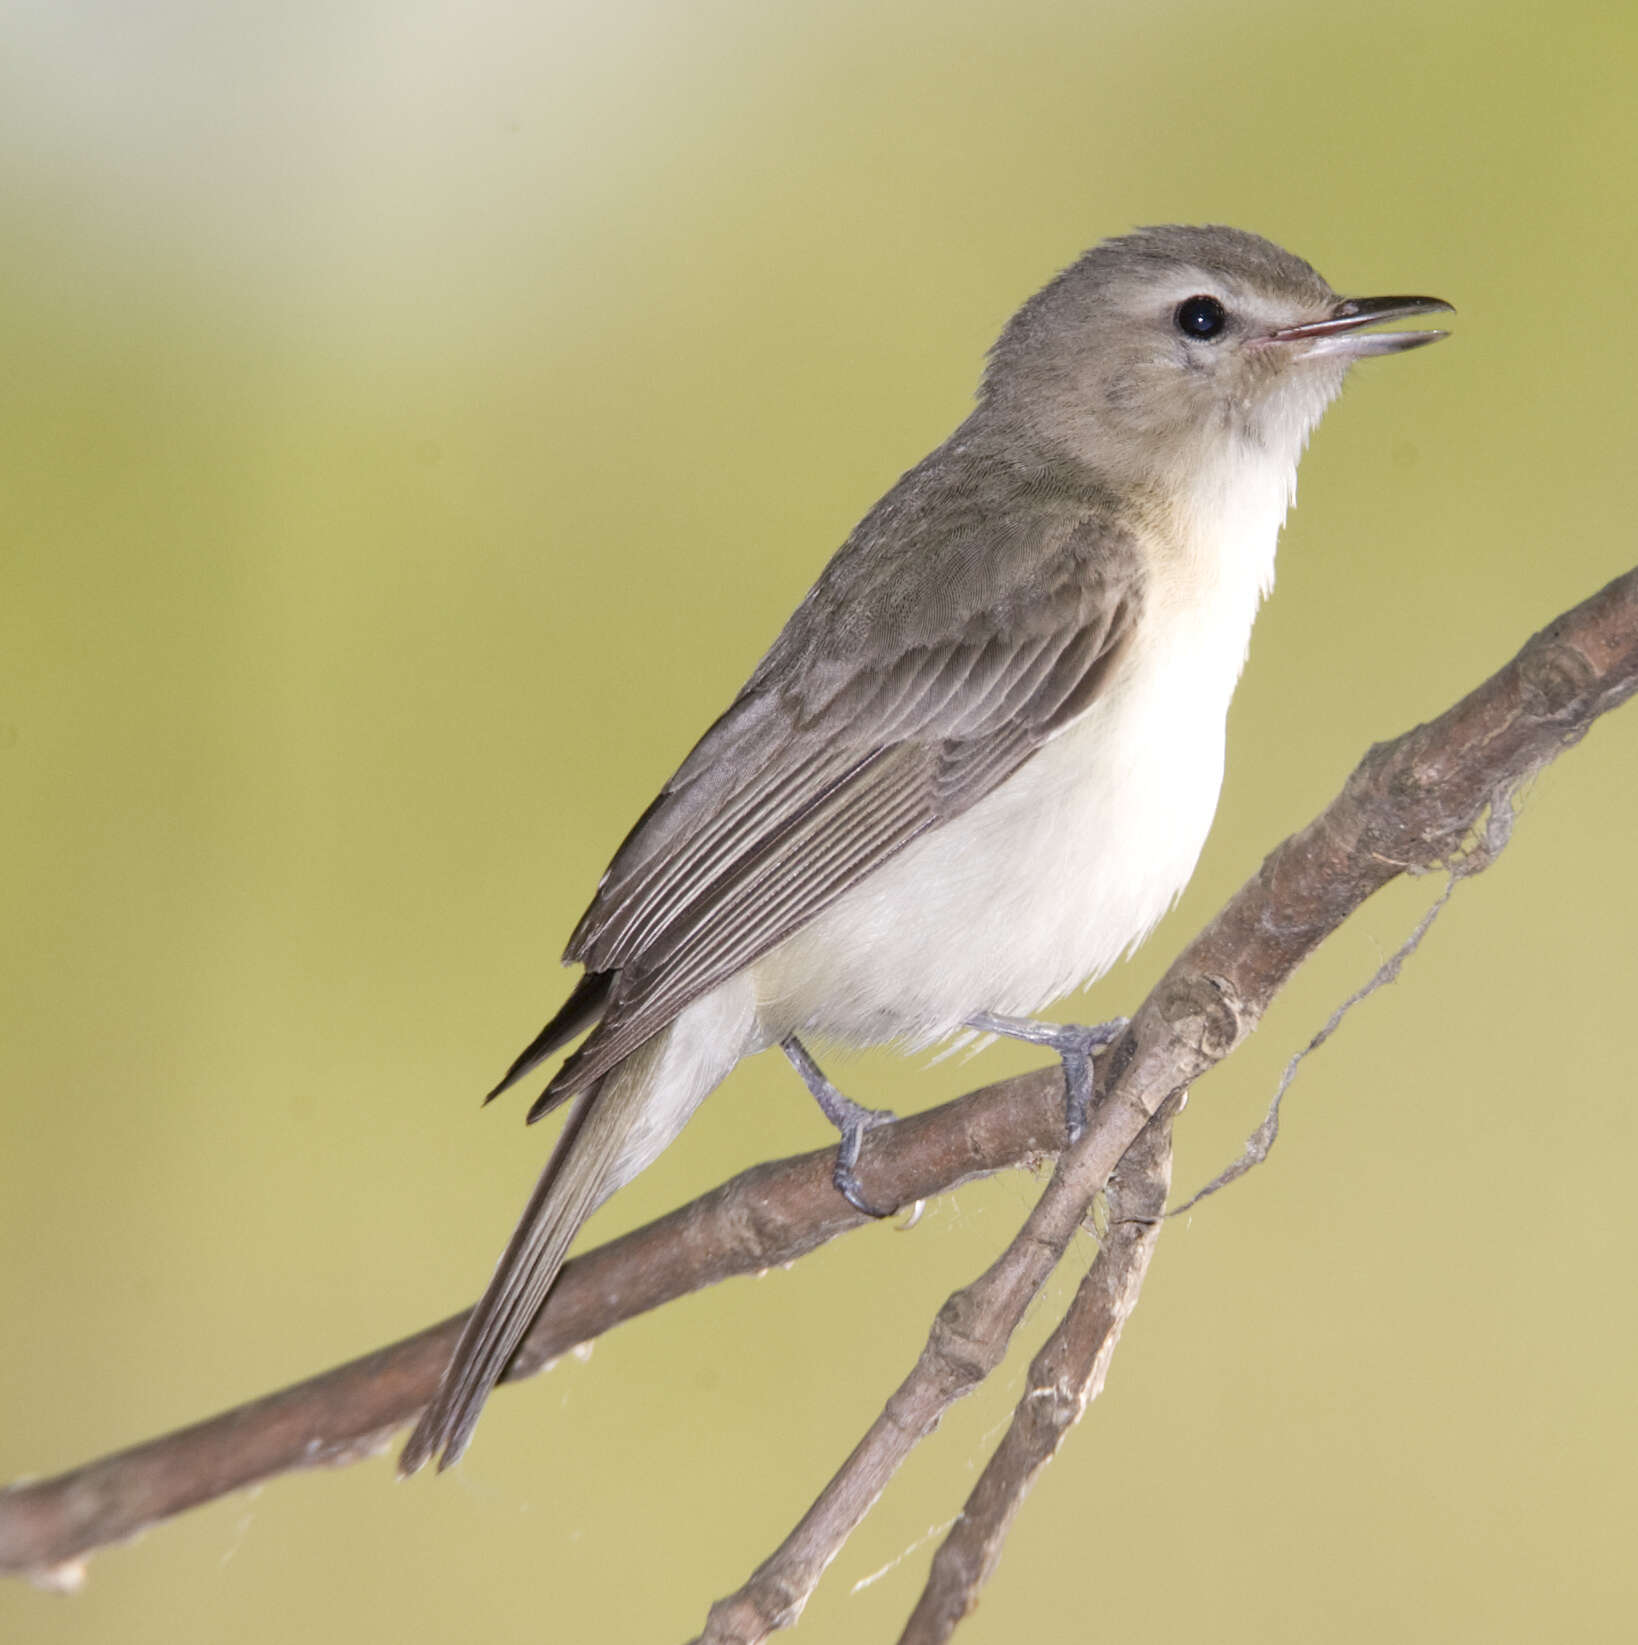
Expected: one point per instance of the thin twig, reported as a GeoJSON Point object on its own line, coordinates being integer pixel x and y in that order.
{"type": "Point", "coordinates": [1260, 1144]}
{"type": "Point", "coordinates": [968, 1340]}
{"type": "Point", "coordinates": [1478, 856]}
{"type": "Point", "coordinates": [1064, 1378]}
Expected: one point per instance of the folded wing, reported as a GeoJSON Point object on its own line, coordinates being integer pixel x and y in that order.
{"type": "Point", "coordinates": [829, 763]}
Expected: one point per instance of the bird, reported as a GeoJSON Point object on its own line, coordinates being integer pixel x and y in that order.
{"type": "Point", "coordinates": [981, 758]}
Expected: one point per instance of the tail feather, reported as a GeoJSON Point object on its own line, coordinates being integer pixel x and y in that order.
{"type": "Point", "coordinates": [567, 1193]}
{"type": "Point", "coordinates": [615, 1128]}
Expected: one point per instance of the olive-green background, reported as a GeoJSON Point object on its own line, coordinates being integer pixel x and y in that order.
{"type": "Point", "coordinates": [416, 420]}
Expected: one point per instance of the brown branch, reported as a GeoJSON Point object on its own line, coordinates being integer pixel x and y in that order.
{"type": "Point", "coordinates": [968, 1340]}
{"type": "Point", "coordinates": [768, 1215]}
{"type": "Point", "coordinates": [1409, 805]}
{"type": "Point", "coordinates": [1064, 1378]}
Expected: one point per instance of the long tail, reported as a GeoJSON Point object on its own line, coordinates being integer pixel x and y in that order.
{"type": "Point", "coordinates": [614, 1129]}
{"type": "Point", "coordinates": [565, 1196]}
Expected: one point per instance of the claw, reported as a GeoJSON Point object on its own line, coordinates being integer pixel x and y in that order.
{"type": "Point", "coordinates": [1076, 1045]}
{"type": "Point", "coordinates": [848, 1186]}
{"type": "Point", "coordinates": [852, 1119]}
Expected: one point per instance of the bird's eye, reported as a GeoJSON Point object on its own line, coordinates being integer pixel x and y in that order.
{"type": "Point", "coordinates": [1201, 317]}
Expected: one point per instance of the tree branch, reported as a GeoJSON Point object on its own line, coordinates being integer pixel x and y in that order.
{"type": "Point", "coordinates": [1409, 805]}
{"type": "Point", "coordinates": [764, 1217]}
{"type": "Point", "coordinates": [1064, 1378]}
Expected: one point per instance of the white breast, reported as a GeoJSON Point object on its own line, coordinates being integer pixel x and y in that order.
{"type": "Point", "coordinates": [1042, 885]}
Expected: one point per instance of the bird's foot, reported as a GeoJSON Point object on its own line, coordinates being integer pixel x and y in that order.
{"type": "Point", "coordinates": [1076, 1046]}
{"type": "Point", "coordinates": [852, 1119]}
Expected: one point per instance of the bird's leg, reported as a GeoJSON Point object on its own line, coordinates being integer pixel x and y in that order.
{"type": "Point", "coordinates": [849, 1117]}
{"type": "Point", "coordinates": [1074, 1045]}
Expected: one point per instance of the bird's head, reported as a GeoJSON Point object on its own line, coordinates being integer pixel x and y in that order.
{"type": "Point", "coordinates": [1174, 348]}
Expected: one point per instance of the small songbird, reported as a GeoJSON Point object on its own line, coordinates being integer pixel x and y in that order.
{"type": "Point", "coordinates": [981, 758]}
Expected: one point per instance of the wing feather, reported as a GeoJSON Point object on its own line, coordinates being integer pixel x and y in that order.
{"type": "Point", "coordinates": [808, 784]}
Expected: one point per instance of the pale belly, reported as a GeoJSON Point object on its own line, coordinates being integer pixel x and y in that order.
{"type": "Point", "coordinates": [1045, 883]}
{"type": "Point", "coordinates": [1034, 892]}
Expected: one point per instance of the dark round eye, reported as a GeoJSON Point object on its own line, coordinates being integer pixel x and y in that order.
{"type": "Point", "coordinates": [1201, 317]}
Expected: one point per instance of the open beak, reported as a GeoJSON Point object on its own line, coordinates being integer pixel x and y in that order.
{"type": "Point", "coordinates": [1342, 332]}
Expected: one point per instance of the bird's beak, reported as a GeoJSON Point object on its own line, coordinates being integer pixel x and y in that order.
{"type": "Point", "coordinates": [1342, 332]}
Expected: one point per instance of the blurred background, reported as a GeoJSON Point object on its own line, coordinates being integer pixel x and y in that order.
{"type": "Point", "coordinates": [418, 419]}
